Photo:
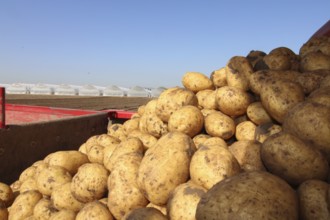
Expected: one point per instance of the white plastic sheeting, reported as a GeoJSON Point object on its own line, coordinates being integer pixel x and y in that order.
{"type": "Point", "coordinates": [41, 89]}
{"type": "Point", "coordinates": [65, 89]}
{"type": "Point", "coordinates": [17, 88]}
{"type": "Point", "coordinates": [138, 91]}
{"type": "Point", "coordinates": [155, 92]}
{"type": "Point", "coordinates": [89, 90]}
{"type": "Point", "coordinates": [113, 91]}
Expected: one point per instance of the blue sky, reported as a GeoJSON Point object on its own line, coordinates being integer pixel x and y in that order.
{"type": "Point", "coordinates": [148, 43]}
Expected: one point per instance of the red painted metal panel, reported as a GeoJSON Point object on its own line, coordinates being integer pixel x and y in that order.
{"type": "Point", "coordinates": [119, 114]}
{"type": "Point", "coordinates": [2, 107]}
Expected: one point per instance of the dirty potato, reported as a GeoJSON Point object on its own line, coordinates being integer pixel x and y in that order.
{"type": "Point", "coordinates": [196, 81]}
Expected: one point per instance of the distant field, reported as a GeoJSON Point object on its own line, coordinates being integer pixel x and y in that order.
{"type": "Point", "coordinates": [79, 102]}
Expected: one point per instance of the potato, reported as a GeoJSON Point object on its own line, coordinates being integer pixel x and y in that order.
{"type": "Point", "coordinates": [325, 82]}
{"type": "Point", "coordinates": [29, 184]}
{"type": "Point", "coordinates": [90, 182]}
{"type": "Point", "coordinates": [71, 160]}
{"type": "Point", "coordinates": [257, 79]}
{"type": "Point", "coordinates": [43, 209]}
{"type": "Point", "coordinates": [161, 208]}
{"type": "Point", "coordinates": [131, 125]}
{"type": "Point", "coordinates": [206, 99]}
{"type": "Point", "coordinates": [51, 177]}
{"type": "Point", "coordinates": [245, 131]}
{"type": "Point", "coordinates": [27, 173]}
{"type": "Point", "coordinates": [188, 120]}
{"type": "Point", "coordinates": [82, 148]}
{"type": "Point", "coordinates": [255, 56]}
{"type": "Point", "coordinates": [196, 81]}
{"type": "Point", "coordinates": [219, 78]}
{"type": "Point", "coordinates": [211, 164]}
{"type": "Point", "coordinates": [107, 153]}
{"type": "Point", "coordinates": [122, 184]}
{"type": "Point", "coordinates": [6, 194]}
{"type": "Point", "coordinates": [249, 195]}
{"type": "Point", "coordinates": [309, 81]}
{"type": "Point", "coordinates": [24, 204]}
{"type": "Point", "coordinates": [147, 213]}
{"type": "Point", "coordinates": [106, 140]}
{"type": "Point", "coordinates": [170, 157]}
{"type": "Point", "coordinates": [172, 99]}
{"type": "Point", "coordinates": [293, 160]}
{"type": "Point", "coordinates": [130, 145]}
{"type": "Point", "coordinates": [117, 130]}
{"type": "Point", "coordinates": [311, 123]}
{"type": "Point", "coordinates": [3, 211]}
{"type": "Point", "coordinates": [62, 198]}
{"type": "Point", "coordinates": [183, 201]}
{"type": "Point", "coordinates": [152, 124]}
{"type": "Point", "coordinates": [206, 112]}
{"type": "Point", "coordinates": [63, 215]}
{"type": "Point", "coordinates": [220, 125]}
{"type": "Point", "coordinates": [257, 113]}
{"type": "Point", "coordinates": [247, 154]}
{"type": "Point", "coordinates": [199, 139]}
{"type": "Point", "coordinates": [214, 141]}
{"type": "Point", "coordinates": [315, 61]}
{"type": "Point", "coordinates": [95, 153]}
{"type": "Point", "coordinates": [277, 60]}
{"type": "Point", "coordinates": [238, 71]}
{"type": "Point", "coordinates": [315, 44]}
{"type": "Point", "coordinates": [147, 139]}
{"type": "Point", "coordinates": [94, 210]}
{"type": "Point", "coordinates": [313, 200]}
{"type": "Point", "coordinates": [321, 96]}
{"type": "Point", "coordinates": [232, 101]}
{"type": "Point", "coordinates": [279, 96]}
{"type": "Point", "coordinates": [266, 130]}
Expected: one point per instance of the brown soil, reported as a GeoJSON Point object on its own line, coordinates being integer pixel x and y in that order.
{"type": "Point", "coordinates": [79, 102]}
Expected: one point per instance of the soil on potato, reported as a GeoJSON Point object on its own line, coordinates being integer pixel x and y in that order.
{"type": "Point", "coordinates": [79, 102]}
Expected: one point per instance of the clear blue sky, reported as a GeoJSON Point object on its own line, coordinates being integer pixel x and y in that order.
{"type": "Point", "coordinates": [143, 42]}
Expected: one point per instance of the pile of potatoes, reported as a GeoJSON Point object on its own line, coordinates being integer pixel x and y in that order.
{"type": "Point", "coordinates": [252, 141]}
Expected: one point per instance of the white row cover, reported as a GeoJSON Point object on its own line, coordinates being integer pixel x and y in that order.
{"type": "Point", "coordinates": [86, 90]}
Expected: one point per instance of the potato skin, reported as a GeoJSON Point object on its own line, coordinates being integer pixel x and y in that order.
{"type": "Point", "coordinates": [321, 96]}
{"type": "Point", "coordinates": [94, 210]}
{"type": "Point", "coordinates": [219, 77]}
{"type": "Point", "coordinates": [43, 209]}
{"type": "Point", "coordinates": [315, 61]}
{"type": "Point", "coordinates": [188, 120]}
{"type": "Point", "coordinates": [220, 125]}
{"type": "Point", "coordinates": [147, 213]}
{"type": "Point", "coordinates": [183, 201]}
{"type": "Point", "coordinates": [3, 210]}
{"type": "Point", "coordinates": [311, 123]}
{"type": "Point", "coordinates": [70, 160]}
{"type": "Point", "coordinates": [90, 182]}
{"type": "Point", "coordinates": [313, 200]}
{"type": "Point", "coordinates": [6, 194]}
{"type": "Point", "coordinates": [24, 204]}
{"type": "Point", "coordinates": [238, 71]}
{"type": "Point", "coordinates": [176, 147]}
{"type": "Point", "coordinates": [172, 99]}
{"type": "Point", "coordinates": [245, 131]}
{"type": "Point", "coordinates": [147, 139]}
{"type": "Point", "coordinates": [123, 184]}
{"type": "Point", "coordinates": [257, 113]}
{"type": "Point", "coordinates": [279, 96]}
{"type": "Point", "coordinates": [248, 196]}
{"type": "Point", "coordinates": [247, 154]}
{"type": "Point", "coordinates": [232, 101]}
{"type": "Point", "coordinates": [206, 99]}
{"type": "Point", "coordinates": [196, 81]}
{"type": "Point", "coordinates": [51, 177]}
{"type": "Point", "coordinates": [63, 215]}
{"type": "Point", "coordinates": [211, 164]}
{"type": "Point", "coordinates": [293, 160]}
{"type": "Point", "coordinates": [62, 198]}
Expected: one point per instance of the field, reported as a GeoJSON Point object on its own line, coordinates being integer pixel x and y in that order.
{"type": "Point", "coordinates": [79, 102]}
